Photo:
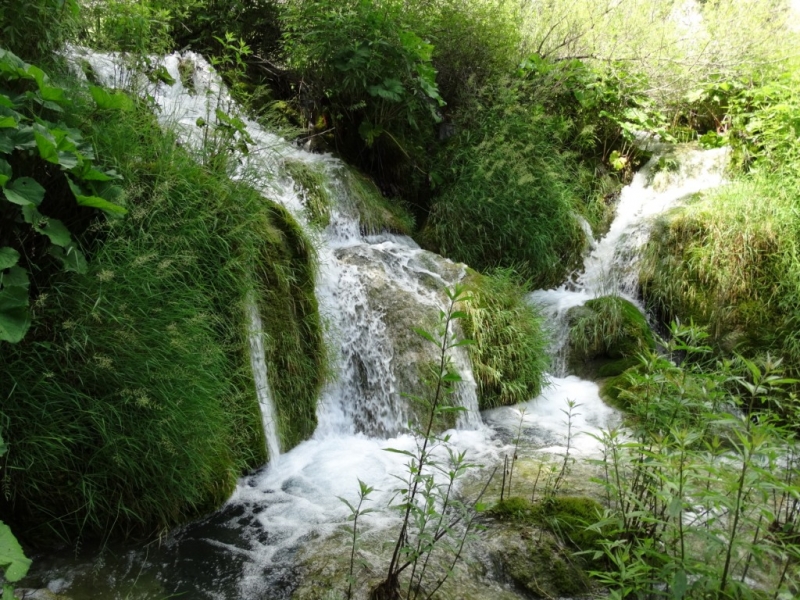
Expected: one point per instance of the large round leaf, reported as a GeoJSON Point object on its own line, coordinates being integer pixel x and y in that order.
{"type": "Point", "coordinates": [13, 561]}
{"type": "Point", "coordinates": [25, 192]}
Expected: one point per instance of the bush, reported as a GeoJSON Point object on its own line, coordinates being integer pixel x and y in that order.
{"type": "Point", "coordinates": [509, 353]}
{"type": "Point", "coordinates": [606, 334]}
{"type": "Point", "coordinates": [728, 261]}
{"type": "Point", "coordinates": [511, 195]}
{"type": "Point", "coordinates": [34, 29]}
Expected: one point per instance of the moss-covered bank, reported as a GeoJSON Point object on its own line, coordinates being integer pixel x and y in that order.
{"type": "Point", "coordinates": [728, 261]}
{"type": "Point", "coordinates": [130, 405]}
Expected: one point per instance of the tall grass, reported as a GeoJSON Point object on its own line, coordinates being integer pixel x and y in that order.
{"type": "Point", "coordinates": [509, 350]}
{"type": "Point", "coordinates": [511, 194]}
{"type": "Point", "coordinates": [130, 406]}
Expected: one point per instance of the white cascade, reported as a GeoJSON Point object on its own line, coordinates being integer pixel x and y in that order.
{"type": "Point", "coordinates": [249, 548]}
{"type": "Point", "coordinates": [364, 396]}
{"type": "Point", "coordinates": [258, 363]}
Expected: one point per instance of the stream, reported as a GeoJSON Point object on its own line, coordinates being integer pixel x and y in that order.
{"type": "Point", "coordinates": [250, 547]}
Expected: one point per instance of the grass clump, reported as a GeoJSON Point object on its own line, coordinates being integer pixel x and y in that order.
{"type": "Point", "coordinates": [728, 261]}
{"type": "Point", "coordinates": [509, 353]}
{"type": "Point", "coordinates": [605, 333]}
{"type": "Point", "coordinates": [511, 197]}
{"type": "Point", "coordinates": [310, 182]}
{"type": "Point", "coordinates": [376, 212]}
{"type": "Point", "coordinates": [130, 406]}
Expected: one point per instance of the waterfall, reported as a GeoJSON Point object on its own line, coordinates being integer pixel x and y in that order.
{"type": "Point", "coordinates": [258, 363]}
{"type": "Point", "coordinates": [610, 266]}
{"type": "Point", "coordinates": [371, 289]}
{"type": "Point", "coordinates": [372, 372]}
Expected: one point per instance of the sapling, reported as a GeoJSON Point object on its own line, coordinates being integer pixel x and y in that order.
{"type": "Point", "coordinates": [355, 512]}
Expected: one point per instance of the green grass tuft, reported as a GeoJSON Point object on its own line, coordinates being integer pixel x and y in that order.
{"type": "Point", "coordinates": [729, 261]}
{"type": "Point", "coordinates": [509, 354]}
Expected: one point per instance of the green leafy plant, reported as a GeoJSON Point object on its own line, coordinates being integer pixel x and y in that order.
{"type": "Point", "coordinates": [61, 159]}
{"type": "Point", "coordinates": [13, 562]}
{"type": "Point", "coordinates": [433, 519]}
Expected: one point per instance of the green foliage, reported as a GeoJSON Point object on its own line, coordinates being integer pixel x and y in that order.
{"type": "Point", "coordinates": [13, 562]}
{"type": "Point", "coordinates": [376, 212]}
{"type": "Point", "coordinates": [284, 262]}
{"type": "Point", "coordinates": [728, 261]}
{"type": "Point", "coordinates": [510, 196]}
{"type": "Point", "coordinates": [605, 330]}
{"type": "Point", "coordinates": [33, 145]}
{"type": "Point", "coordinates": [129, 26]}
{"type": "Point", "coordinates": [435, 522]}
{"type": "Point", "coordinates": [310, 182]}
{"type": "Point", "coordinates": [509, 350]}
{"type": "Point", "coordinates": [130, 404]}
{"type": "Point", "coordinates": [691, 511]}
{"type": "Point", "coordinates": [365, 59]}
{"type": "Point", "coordinates": [35, 29]}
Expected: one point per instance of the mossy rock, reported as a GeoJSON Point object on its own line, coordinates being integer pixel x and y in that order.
{"type": "Point", "coordinates": [310, 182]}
{"type": "Point", "coordinates": [605, 334]}
{"type": "Point", "coordinates": [566, 516]}
{"type": "Point", "coordinates": [536, 563]}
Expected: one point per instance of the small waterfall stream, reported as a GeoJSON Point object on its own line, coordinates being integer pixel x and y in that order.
{"type": "Point", "coordinates": [249, 548]}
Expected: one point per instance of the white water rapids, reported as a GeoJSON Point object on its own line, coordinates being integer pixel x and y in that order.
{"type": "Point", "coordinates": [248, 548]}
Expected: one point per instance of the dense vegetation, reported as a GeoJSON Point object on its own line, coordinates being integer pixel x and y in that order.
{"type": "Point", "coordinates": [488, 129]}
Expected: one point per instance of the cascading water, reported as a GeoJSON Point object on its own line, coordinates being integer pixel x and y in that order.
{"type": "Point", "coordinates": [608, 269]}
{"type": "Point", "coordinates": [371, 290]}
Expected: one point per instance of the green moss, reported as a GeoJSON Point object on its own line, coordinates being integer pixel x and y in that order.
{"type": "Point", "coordinates": [295, 349]}
{"type": "Point", "coordinates": [542, 568]}
{"type": "Point", "coordinates": [509, 353]}
{"type": "Point", "coordinates": [605, 332]}
{"type": "Point", "coordinates": [310, 181]}
{"type": "Point", "coordinates": [376, 212]}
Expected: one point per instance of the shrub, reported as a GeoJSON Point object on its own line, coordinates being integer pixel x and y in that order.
{"type": "Point", "coordinates": [510, 196]}
{"type": "Point", "coordinates": [34, 29]}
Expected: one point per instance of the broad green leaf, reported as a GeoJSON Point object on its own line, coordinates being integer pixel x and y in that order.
{"type": "Point", "coordinates": [24, 191]}
{"type": "Point", "coordinates": [71, 259]}
{"type": "Point", "coordinates": [8, 258]}
{"type": "Point", "coordinates": [46, 144]}
{"type": "Point", "coordinates": [95, 201]}
{"type": "Point", "coordinates": [89, 173]}
{"type": "Point", "coordinates": [110, 101]}
{"type": "Point", "coordinates": [52, 228]}
{"type": "Point", "coordinates": [23, 138]}
{"type": "Point", "coordinates": [13, 561]}
{"type": "Point", "coordinates": [15, 318]}
{"type": "Point", "coordinates": [6, 144]}
{"type": "Point", "coordinates": [5, 172]}
{"type": "Point", "coordinates": [7, 122]}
